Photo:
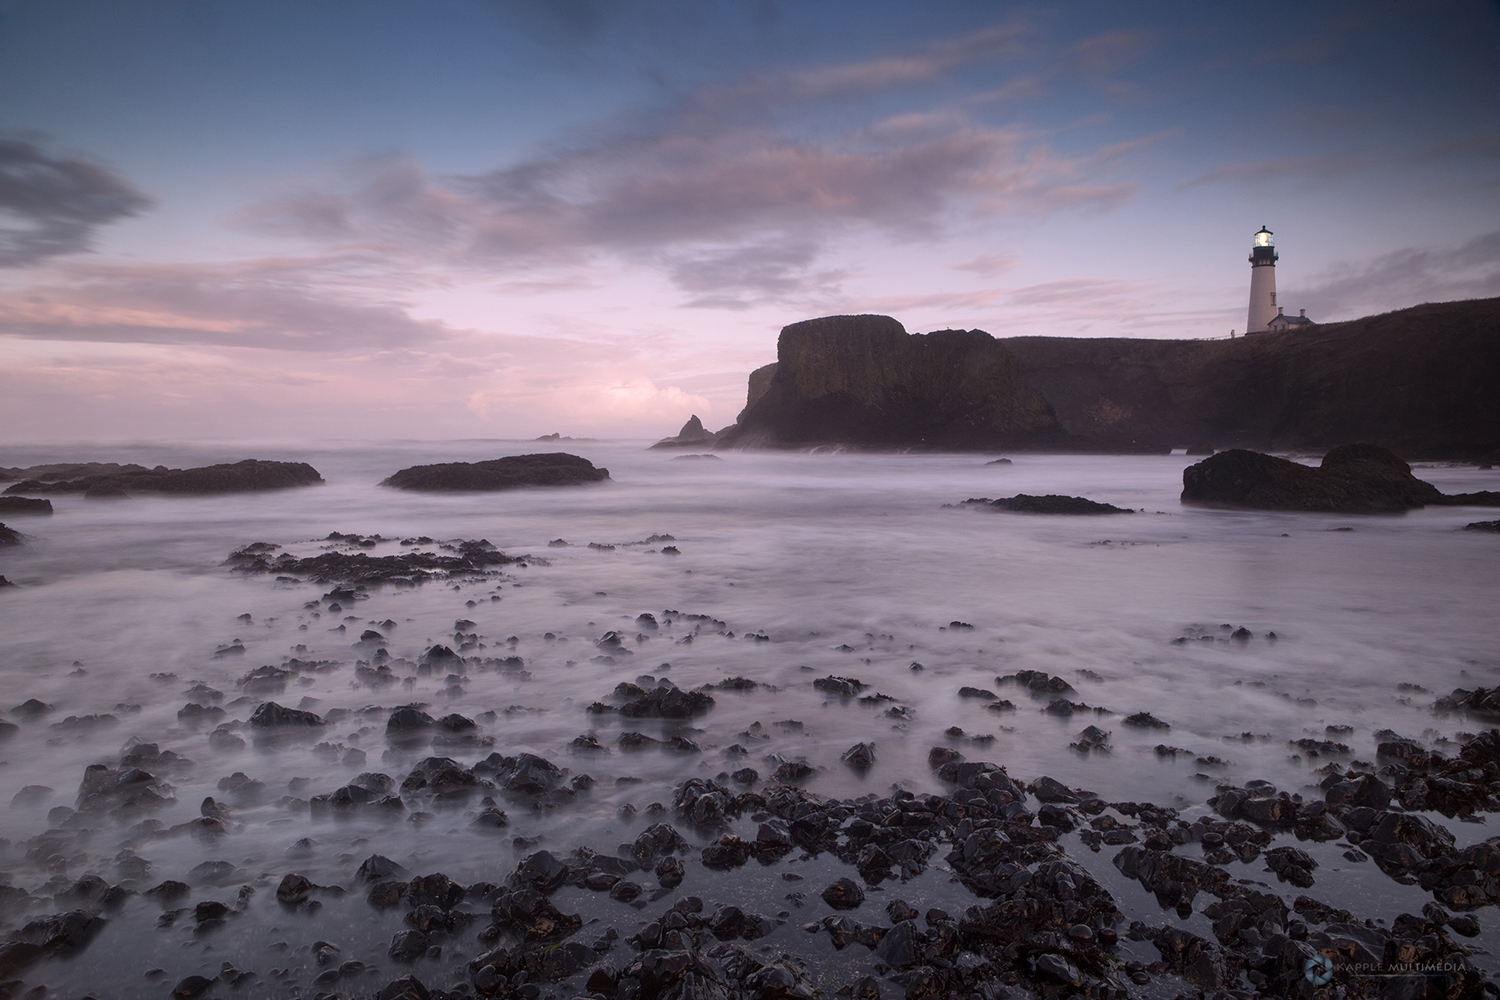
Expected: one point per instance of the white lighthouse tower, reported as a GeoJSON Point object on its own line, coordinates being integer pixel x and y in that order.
{"type": "Point", "coordinates": [1262, 283]}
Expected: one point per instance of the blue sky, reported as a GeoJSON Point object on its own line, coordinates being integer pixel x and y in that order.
{"type": "Point", "coordinates": [509, 217]}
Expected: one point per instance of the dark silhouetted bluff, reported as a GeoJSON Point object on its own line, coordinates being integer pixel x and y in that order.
{"type": "Point", "coordinates": [241, 477]}
{"type": "Point", "coordinates": [1420, 382]}
{"type": "Point", "coordinates": [1353, 479]}
{"type": "Point", "coordinates": [512, 472]}
{"type": "Point", "coordinates": [863, 380]}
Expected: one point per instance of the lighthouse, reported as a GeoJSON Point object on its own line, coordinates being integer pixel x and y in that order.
{"type": "Point", "coordinates": [1262, 283]}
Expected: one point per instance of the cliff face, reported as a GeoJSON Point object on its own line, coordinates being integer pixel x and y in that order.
{"type": "Point", "coordinates": [862, 380]}
{"type": "Point", "coordinates": [1421, 382]}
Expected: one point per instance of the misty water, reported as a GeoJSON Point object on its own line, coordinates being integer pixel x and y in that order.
{"type": "Point", "coordinates": [847, 564]}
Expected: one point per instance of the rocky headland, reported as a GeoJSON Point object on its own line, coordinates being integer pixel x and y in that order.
{"type": "Point", "coordinates": [1352, 479]}
{"type": "Point", "coordinates": [248, 476]}
{"type": "Point", "coordinates": [1417, 381]}
{"type": "Point", "coordinates": [864, 381]}
{"type": "Point", "coordinates": [511, 472]}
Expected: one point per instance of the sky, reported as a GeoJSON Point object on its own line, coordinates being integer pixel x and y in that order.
{"type": "Point", "coordinates": [368, 219]}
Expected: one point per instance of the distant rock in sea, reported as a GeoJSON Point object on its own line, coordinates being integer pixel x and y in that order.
{"type": "Point", "coordinates": [511, 472]}
{"type": "Point", "coordinates": [248, 476]}
{"type": "Point", "coordinates": [692, 435]}
{"type": "Point", "coordinates": [1352, 479]}
{"type": "Point", "coordinates": [24, 505]}
{"type": "Point", "coordinates": [8, 536]}
{"type": "Point", "coordinates": [1052, 503]}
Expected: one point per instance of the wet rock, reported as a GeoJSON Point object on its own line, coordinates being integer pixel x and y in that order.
{"type": "Point", "coordinates": [1145, 720]}
{"type": "Point", "coordinates": [1354, 478]}
{"type": "Point", "coordinates": [511, 472]}
{"type": "Point", "coordinates": [1050, 504]}
{"type": "Point", "coordinates": [845, 894]}
{"type": "Point", "coordinates": [1483, 703]}
{"type": "Point", "coordinates": [405, 988]}
{"type": "Point", "coordinates": [665, 702]}
{"type": "Point", "coordinates": [24, 505]}
{"type": "Point", "coordinates": [540, 871]}
{"type": "Point", "coordinates": [408, 946]}
{"type": "Point", "coordinates": [1048, 789]}
{"type": "Point", "coordinates": [842, 687]}
{"type": "Point", "coordinates": [1038, 682]}
{"type": "Point", "coordinates": [726, 853]}
{"type": "Point", "coordinates": [407, 721]}
{"type": "Point", "coordinates": [192, 986]}
{"type": "Point", "coordinates": [860, 757]}
{"type": "Point", "coordinates": [1291, 864]}
{"type": "Point", "coordinates": [270, 715]}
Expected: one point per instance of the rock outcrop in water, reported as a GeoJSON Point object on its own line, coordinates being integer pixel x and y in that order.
{"type": "Point", "coordinates": [692, 435]}
{"type": "Point", "coordinates": [1352, 479]}
{"type": "Point", "coordinates": [1052, 503]}
{"type": "Point", "coordinates": [248, 476]}
{"type": "Point", "coordinates": [24, 505]}
{"type": "Point", "coordinates": [1418, 381]}
{"type": "Point", "coordinates": [512, 472]}
{"type": "Point", "coordinates": [862, 380]}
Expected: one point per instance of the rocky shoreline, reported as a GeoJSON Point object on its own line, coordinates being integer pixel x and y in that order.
{"type": "Point", "coordinates": [1013, 901]}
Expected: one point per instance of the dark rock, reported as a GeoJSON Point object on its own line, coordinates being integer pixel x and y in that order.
{"type": "Point", "coordinates": [692, 435]}
{"type": "Point", "coordinates": [844, 894]}
{"type": "Point", "coordinates": [512, 472]}
{"type": "Point", "coordinates": [666, 702]}
{"type": "Point", "coordinates": [540, 871]}
{"type": "Point", "coordinates": [861, 756]}
{"type": "Point", "coordinates": [191, 986]}
{"type": "Point", "coordinates": [407, 720]}
{"type": "Point", "coordinates": [1355, 478]}
{"type": "Point", "coordinates": [1145, 720]}
{"type": "Point", "coordinates": [1038, 682]}
{"type": "Point", "coordinates": [24, 505]}
{"type": "Point", "coordinates": [270, 715]}
{"type": "Point", "coordinates": [408, 946]}
{"type": "Point", "coordinates": [377, 867]}
{"type": "Point", "coordinates": [843, 687]}
{"type": "Point", "coordinates": [241, 477]}
{"type": "Point", "coordinates": [1052, 503]}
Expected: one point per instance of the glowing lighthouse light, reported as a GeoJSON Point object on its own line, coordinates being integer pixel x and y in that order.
{"type": "Point", "coordinates": [1263, 238]}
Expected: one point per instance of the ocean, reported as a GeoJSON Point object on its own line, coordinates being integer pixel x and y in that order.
{"type": "Point", "coordinates": [788, 568]}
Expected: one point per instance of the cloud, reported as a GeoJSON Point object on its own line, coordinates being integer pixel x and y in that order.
{"type": "Point", "coordinates": [50, 206]}
{"type": "Point", "coordinates": [733, 203]}
{"type": "Point", "coordinates": [1402, 278]}
{"type": "Point", "coordinates": [277, 303]}
{"type": "Point", "coordinates": [1321, 167]}
{"type": "Point", "coordinates": [990, 264]}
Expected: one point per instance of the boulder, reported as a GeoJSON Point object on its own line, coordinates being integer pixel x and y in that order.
{"type": "Point", "coordinates": [511, 472]}
{"type": "Point", "coordinates": [1352, 479]}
